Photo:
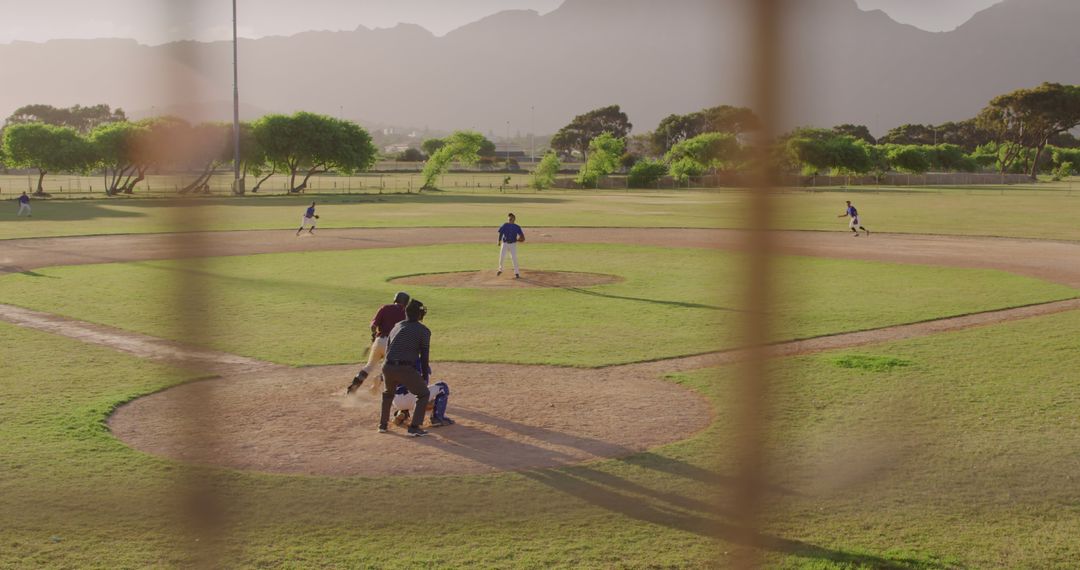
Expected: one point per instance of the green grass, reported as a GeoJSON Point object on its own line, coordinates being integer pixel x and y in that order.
{"type": "Point", "coordinates": [314, 308]}
{"type": "Point", "coordinates": [953, 211]}
{"type": "Point", "coordinates": [966, 458]}
{"type": "Point", "coordinates": [870, 362]}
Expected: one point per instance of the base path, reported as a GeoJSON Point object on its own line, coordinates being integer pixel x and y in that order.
{"type": "Point", "coordinates": [1049, 260]}
{"type": "Point", "coordinates": [265, 417]}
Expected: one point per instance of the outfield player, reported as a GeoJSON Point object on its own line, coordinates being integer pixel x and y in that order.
{"type": "Point", "coordinates": [509, 234]}
{"type": "Point", "coordinates": [852, 213]}
{"type": "Point", "coordinates": [308, 219]}
{"type": "Point", "coordinates": [24, 205]}
{"type": "Point", "coordinates": [410, 340]}
{"type": "Point", "coordinates": [381, 325]}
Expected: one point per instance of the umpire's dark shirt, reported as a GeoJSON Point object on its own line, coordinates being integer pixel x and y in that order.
{"type": "Point", "coordinates": [408, 341]}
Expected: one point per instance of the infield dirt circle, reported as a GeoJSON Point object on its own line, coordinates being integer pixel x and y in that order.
{"type": "Point", "coordinates": [509, 417]}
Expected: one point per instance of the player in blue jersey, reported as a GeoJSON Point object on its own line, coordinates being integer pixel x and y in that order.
{"type": "Point", "coordinates": [509, 234]}
{"type": "Point", "coordinates": [308, 219]}
{"type": "Point", "coordinates": [854, 224]}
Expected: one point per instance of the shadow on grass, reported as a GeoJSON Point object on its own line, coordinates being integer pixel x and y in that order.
{"type": "Point", "coordinates": [624, 298]}
{"type": "Point", "coordinates": [677, 512]}
{"type": "Point", "coordinates": [662, 506]}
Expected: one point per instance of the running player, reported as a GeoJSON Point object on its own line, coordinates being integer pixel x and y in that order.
{"type": "Point", "coordinates": [24, 205]}
{"type": "Point", "coordinates": [308, 219]}
{"type": "Point", "coordinates": [854, 223]}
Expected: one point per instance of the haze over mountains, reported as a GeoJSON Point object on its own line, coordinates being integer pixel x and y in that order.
{"type": "Point", "coordinates": [653, 58]}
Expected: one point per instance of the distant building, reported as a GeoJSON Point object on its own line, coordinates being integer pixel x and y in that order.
{"type": "Point", "coordinates": [396, 148]}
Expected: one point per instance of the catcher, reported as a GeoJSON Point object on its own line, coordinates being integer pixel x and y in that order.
{"type": "Point", "coordinates": [404, 401]}
{"type": "Point", "coordinates": [308, 220]}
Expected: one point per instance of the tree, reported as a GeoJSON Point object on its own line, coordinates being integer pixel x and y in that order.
{"type": "Point", "coordinates": [908, 158]}
{"type": "Point", "coordinates": [910, 134]}
{"type": "Point", "coordinates": [824, 150]}
{"type": "Point", "coordinates": [584, 128]}
{"type": "Point", "coordinates": [965, 134]}
{"type": "Point", "coordinates": [712, 151]}
{"type": "Point", "coordinates": [461, 146]}
{"type": "Point", "coordinates": [431, 146]}
{"type": "Point", "coordinates": [411, 155]}
{"type": "Point", "coordinates": [313, 144]}
{"type": "Point", "coordinates": [115, 149]}
{"type": "Point", "coordinates": [604, 153]}
{"type": "Point", "coordinates": [549, 166]}
{"type": "Point", "coordinates": [858, 132]}
{"type": "Point", "coordinates": [646, 172]}
{"type": "Point", "coordinates": [1027, 118]}
{"type": "Point", "coordinates": [46, 148]}
{"type": "Point", "coordinates": [721, 119]}
{"type": "Point", "coordinates": [82, 119]}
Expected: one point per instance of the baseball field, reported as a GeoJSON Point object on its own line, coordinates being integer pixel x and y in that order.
{"type": "Point", "coordinates": [171, 397]}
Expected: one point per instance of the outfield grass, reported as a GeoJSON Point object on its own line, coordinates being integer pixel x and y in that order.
{"type": "Point", "coordinates": [952, 211]}
{"type": "Point", "coordinates": [313, 308]}
{"type": "Point", "coordinates": [966, 457]}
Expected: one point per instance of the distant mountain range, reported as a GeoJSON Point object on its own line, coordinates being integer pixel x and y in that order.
{"type": "Point", "coordinates": [844, 65]}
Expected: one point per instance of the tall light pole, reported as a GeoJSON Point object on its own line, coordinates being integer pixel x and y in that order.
{"type": "Point", "coordinates": [532, 135]}
{"type": "Point", "coordinates": [238, 187]}
{"type": "Point", "coordinates": [508, 146]}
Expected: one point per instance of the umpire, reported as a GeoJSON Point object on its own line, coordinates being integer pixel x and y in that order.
{"type": "Point", "coordinates": [410, 340]}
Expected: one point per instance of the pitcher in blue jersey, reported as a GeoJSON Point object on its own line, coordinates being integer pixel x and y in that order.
{"type": "Point", "coordinates": [509, 234]}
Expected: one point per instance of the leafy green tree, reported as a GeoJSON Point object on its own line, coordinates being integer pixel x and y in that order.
{"type": "Point", "coordinates": [1027, 118]}
{"type": "Point", "coordinates": [431, 146]}
{"type": "Point", "coordinates": [947, 157]}
{"type": "Point", "coordinates": [646, 172]}
{"type": "Point", "coordinates": [910, 134]}
{"type": "Point", "coordinates": [823, 150]}
{"type": "Point", "coordinates": [545, 173]}
{"type": "Point", "coordinates": [908, 158]}
{"type": "Point", "coordinates": [46, 148]}
{"type": "Point", "coordinates": [965, 134]}
{"type": "Point", "coordinates": [713, 151]}
{"type": "Point", "coordinates": [578, 135]}
{"type": "Point", "coordinates": [312, 144]}
{"type": "Point", "coordinates": [115, 149]}
{"type": "Point", "coordinates": [683, 168]}
{"type": "Point", "coordinates": [82, 119]}
{"type": "Point", "coordinates": [721, 119]}
{"type": "Point", "coordinates": [461, 146]}
{"type": "Point", "coordinates": [604, 153]}
{"type": "Point", "coordinates": [411, 155]}
{"type": "Point", "coordinates": [857, 132]}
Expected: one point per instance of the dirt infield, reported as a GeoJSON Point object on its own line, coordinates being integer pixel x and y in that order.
{"type": "Point", "coordinates": [285, 420]}
{"type": "Point", "coordinates": [508, 418]}
{"type": "Point", "coordinates": [489, 280]}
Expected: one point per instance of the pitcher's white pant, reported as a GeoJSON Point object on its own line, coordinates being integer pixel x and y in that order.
{"type": "Point", "coordinates": [375, 357]}
{"type": "Point", "coordinates": [512, 248]}
{"type": "Point", "coordinates": [23, 206]}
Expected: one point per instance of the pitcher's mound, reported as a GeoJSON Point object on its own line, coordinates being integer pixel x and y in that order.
{"type": "Point", "coordinates": [509, 417]}
{"type": "Point", "coordinates": [488, 279]}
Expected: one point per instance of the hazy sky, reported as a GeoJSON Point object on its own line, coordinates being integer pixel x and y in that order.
{"type": "Point", "coordinates": [160, 21]}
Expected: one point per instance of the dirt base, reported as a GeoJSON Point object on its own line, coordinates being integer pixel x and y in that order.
{"type": "Point", "coordinates": [508, 417]}
{"type": "Point", "coordinates": [489, 280]}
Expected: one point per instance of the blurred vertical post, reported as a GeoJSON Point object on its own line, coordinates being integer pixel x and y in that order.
{"type": "Point", "coordinates": [753, 387]}
{"type": "Point", "coordinates": [197, 499]}
{"type": "Point", "coordinates": [238, 184]}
